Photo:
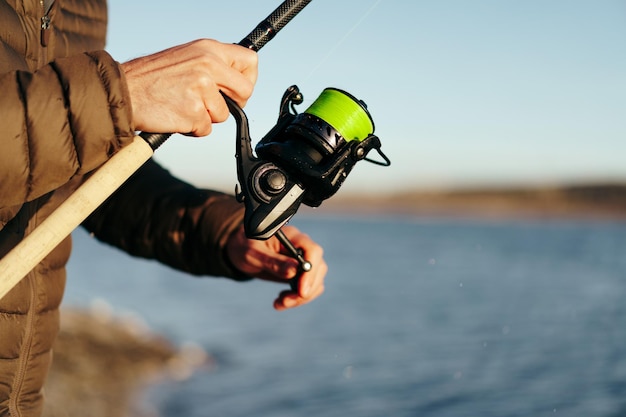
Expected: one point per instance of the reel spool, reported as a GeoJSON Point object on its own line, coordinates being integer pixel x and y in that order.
{"type": "Point", "coordinates": [303, 159]}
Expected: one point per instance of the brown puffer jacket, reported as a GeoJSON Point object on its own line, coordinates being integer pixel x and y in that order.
{"type": "Point", "coordinates": [63, 113]}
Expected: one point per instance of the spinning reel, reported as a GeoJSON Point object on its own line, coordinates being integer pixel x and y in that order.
{"type": "Point", "coordinates": [303, 159]}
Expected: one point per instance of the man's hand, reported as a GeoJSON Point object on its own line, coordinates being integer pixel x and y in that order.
{"type": "Point", "coordinates": [269, 260]}
{"type": "Point", "coordinates": [178, 90]}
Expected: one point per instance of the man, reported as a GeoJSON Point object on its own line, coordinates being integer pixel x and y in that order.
{"type": "Point", "coordinates": [66, 107]}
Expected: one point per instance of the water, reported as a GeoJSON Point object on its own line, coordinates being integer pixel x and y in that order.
{"type": "Point", "coordinates": [421, 317]}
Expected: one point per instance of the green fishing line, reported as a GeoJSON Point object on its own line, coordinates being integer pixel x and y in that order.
{"type": "Point", "coordinates": [344, 113]}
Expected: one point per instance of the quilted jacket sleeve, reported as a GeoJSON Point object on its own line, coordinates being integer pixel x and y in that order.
{"type": "Point", "coordinates": [63, 120]}
{"type": "Point", "coordinates": [157, 216]}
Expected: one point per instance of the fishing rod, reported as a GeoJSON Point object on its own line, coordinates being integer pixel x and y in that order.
{"type": "Point", "coordinates": [16, 264]}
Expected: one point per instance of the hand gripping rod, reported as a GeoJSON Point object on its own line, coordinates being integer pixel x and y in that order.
{"type": "Point", "coordinates": [16, 264]}
{"type": "Point", "coordinates": [260, 35]}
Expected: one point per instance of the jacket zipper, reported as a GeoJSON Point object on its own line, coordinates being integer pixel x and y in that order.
{"type": "Point", "coordinates": [20, 374]}
{"type": "Point", "coordinates": [46, 21]}
{"type": "Point", "coordinates": [45, 29]}
{"type": "Point", "coordinates": [22, 363]}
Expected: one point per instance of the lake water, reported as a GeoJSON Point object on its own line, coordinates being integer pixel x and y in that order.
{"type": "Point", "coordinates": [421, 317]}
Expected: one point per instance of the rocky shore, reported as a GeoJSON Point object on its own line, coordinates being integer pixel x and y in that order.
{"type": "Point", "coordinates": [103, 362]}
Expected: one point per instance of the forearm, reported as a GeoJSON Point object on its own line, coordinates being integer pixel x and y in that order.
{"type": "Point", "coordinates": [157, 216]}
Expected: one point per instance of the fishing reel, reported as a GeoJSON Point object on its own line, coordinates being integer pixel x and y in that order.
{"type": "Point", "coordinates": [303, 159]}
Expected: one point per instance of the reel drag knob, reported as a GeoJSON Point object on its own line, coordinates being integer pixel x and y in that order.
{"type": "Point", "coordinates": [273, 181]}
{"type": "Point", "coordinates": [269, 182]}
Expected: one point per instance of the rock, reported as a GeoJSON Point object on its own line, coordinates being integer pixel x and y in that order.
{"type": "Point", "coordinates": [102, 363]}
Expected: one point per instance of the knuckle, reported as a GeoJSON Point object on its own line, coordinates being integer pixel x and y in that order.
{"type": "Point", "coordinates": [203, 129]}
{"type": "Point", "coordinates": [205, 43]}
{"type": "Point", "coordinates": [219, 114]}
{"type": "Point", "coordinates": [251, 58]}
{"type": "Point", "coordinates": [204, 81]}
{"type": "Point", "coordinates": [246, 89]}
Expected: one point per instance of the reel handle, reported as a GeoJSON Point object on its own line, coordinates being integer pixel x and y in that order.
{"type": "Point", "coordinates": [305, 266]}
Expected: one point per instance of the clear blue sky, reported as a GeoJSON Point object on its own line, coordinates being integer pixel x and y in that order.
{"type": "Point", "coordinates": [481, 92]}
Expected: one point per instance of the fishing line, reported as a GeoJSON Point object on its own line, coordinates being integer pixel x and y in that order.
{"type": "Point", "coordinates": [344, 112]}
{"type": "Point", "coordinates": [342, 40]}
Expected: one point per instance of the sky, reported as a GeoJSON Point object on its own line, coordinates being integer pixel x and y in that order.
{"type": "Point", "coordinates": [463, 93]}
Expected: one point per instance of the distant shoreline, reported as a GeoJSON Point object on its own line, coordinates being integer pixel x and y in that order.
{"type": "Point", "coordinates": [594, 201]}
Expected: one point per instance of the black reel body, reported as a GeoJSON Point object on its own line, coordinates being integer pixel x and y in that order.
{"type": "Point", "coordinates": [301, 160]}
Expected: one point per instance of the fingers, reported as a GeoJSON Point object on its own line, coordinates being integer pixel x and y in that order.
{"type": "Point", "coordinates": [179, 90]}
{"type": "Point", "coordinates": [228, 68]}
{"type": "Point", "coordinates": [270, 261]}
{"type": "Point", "coordinates": [241, 74]}
{"type": "Point", "coordinates": [289, 299]}
{"type": "Point", "coordinates": [221, 67]}
{"type": "Point", "coordinates": [311, 283]}
{"type": "Point", "coordinates": [258, 258]}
